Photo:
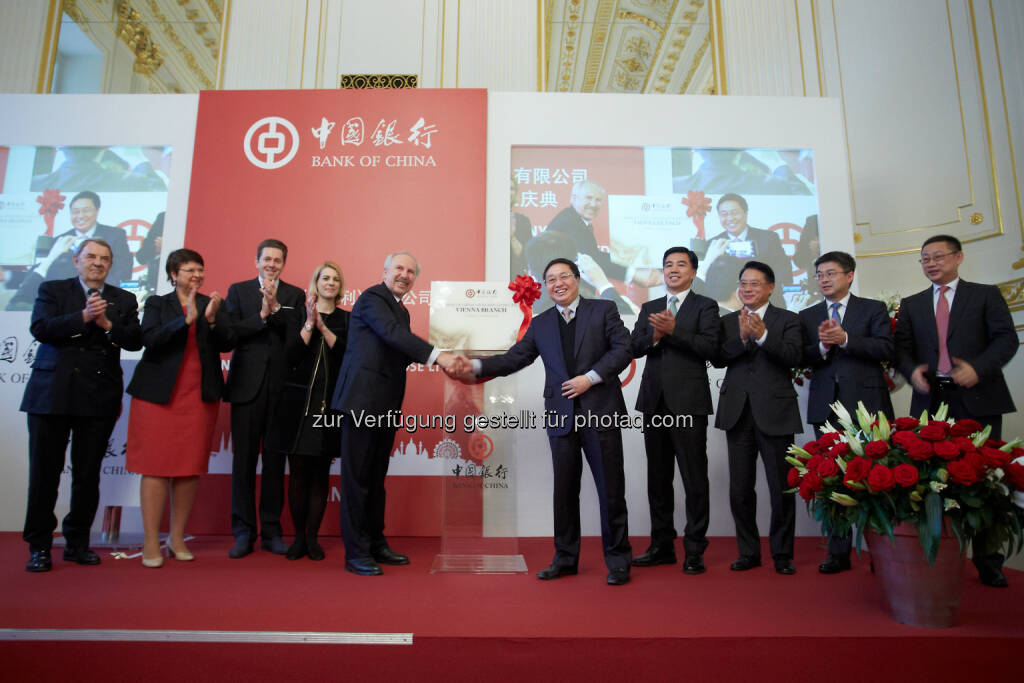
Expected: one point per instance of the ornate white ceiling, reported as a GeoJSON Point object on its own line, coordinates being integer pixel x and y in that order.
{"type": "Point", "coordinates": [629, 46]}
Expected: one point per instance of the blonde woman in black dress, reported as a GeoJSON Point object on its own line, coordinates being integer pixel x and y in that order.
{"type": "Point", "coordinates": [304, 427]}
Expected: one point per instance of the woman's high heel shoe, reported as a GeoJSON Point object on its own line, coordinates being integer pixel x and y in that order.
{"type": "Point", "coordinates": [180, 555]}
{"type": "Point", "coordinates": [153, 562]}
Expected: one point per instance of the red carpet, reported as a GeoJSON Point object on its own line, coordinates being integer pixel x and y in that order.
{"type": "Point", "coordinates": [662, 626]}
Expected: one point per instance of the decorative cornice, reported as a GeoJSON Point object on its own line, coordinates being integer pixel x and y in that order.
{"type": "Point", "coordinates": [1013, 292]}
{"type": "Point", "coordinates": [133, 33]}
{"type": "Point", "coordinates": [377, 81]}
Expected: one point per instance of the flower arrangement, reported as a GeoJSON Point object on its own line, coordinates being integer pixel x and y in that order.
{"type": "Point", "coordinates": [873, 474]}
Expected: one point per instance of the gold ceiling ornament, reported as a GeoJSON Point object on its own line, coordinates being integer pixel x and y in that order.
{"type": "Point", "coordinates": [378, 81]}
{"type": "Point", "coordinates": [857, 238]}
{"type": "Point", "coordinates": [1013, 292]}
{"type": "Point", "coordinates": [190, 59]}
{"type": "Point", "coordinates": [976, 218]}
{"type": "Point", "coordinates": [217, 7]}
{"type": "Point", "coordinates": [72, 9]}
{"type": "Point", "coordinates": [602, 27]}
{"type": "Point", "coordinates": [646, 21]}
{"type": "Point", "coordinates": [572, 23]}
{"type": "Point", "coordinates": [133, 33]}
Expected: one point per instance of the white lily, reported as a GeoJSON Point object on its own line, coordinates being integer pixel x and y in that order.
{"type": "Point", "coordinates": [950, 504]}
{"type": "Point", "coordinates": [936, 486]}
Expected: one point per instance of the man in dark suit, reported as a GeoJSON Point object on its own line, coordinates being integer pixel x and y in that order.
{"type": "Point", "coordinates": [678, 333]}
{"type": "Point", "coordinates": [58, 263]}
{"type": "Point", "coordinates": [728, 250]}
{"type": "Point", "coordinates": [757, 408]}
{"type": "Point", "coordinates": [75, 389]}
{"type": "Point", "coordinates": [584, 346]}
{"type": "Point", "coordinates": [846, 340]}
{"type": "Point", "coordinates": [952, 341]}
{"type": "Point", "coordinates": [259, 311]}
{"type": "Point", "coordinates": [369, 394]}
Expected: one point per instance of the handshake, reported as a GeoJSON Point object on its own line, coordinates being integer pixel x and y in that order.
{"type": "Point", "coordinates": [456, 366]}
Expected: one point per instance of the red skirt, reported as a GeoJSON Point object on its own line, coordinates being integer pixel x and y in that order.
{"type": "Point", "coordinates": [174, 439]}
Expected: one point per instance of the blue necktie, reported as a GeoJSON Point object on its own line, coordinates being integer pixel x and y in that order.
{"type": "Point", "coordinates": [835, 313]}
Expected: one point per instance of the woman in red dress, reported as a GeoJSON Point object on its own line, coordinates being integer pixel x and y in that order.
{"type": "Point", "coordinates": [176, 391]}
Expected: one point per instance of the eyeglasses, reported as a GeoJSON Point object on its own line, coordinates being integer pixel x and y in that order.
{"type": "Point", "coordinates": [191, 271]}
{"type": "Point", "coordinates": [937, 258]}
{"type": "Point", "coordinates": [830, 274]}
{"type": "Point", "coordinates": [564, 277]}
{"type": "Point", "coordinates": [753, 284]}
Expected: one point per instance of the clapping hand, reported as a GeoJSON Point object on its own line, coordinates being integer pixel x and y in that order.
{"type": "Point", "coordinates": [213, 307]}
{"type": "Point", "coordinates": [663, 323]}
{"type": "Point", "coordinates": [190, 306]}
{"type": "Point", "coordinates": [831, 333]}
{"type": "Point", "coordinates": [269, 292]}
{"type": "Point", "coordinates": [95, 311]}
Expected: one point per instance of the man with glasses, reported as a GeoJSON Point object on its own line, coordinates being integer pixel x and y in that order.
{"type": "Point", "coordinates": [846, 340]}
{"type": "Point", "coordinates": [952, 341]}
{"type": "Point", "coordinates": [757, 408]}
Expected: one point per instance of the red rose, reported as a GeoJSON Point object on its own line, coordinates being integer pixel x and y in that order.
{"type": "Point", "coordinates": [995, 443]}
{"type": "Point", "coordinates": [978, 462]}
{"type": "Point", "coordinates": [905, 475]}
{"type": "Point", "coordinates": [793, 478]}
{"type": "Point", "coordinates": [827, 468]}
{"type": "Point", "coordinates": [814, 462]}
{"type": "Point", "coordinates": [1015, 476]}
{"type": "Point", "coordinates": [857, 469]}
{"type": "Point", "coordinates": [840, 449]}
{"type": "Point", "coordinates": [876, 449]}
{"type": "Point", "coordinates": [904, 439]}
{"type": "Point", "coordinates": [964, 444]}
{"type": "Point", "coordinates": [880, 478]}
{"type": "Point", "coordinates": [828, 438]}
{"type": "Point", "coordinates": [920, 450]}
{"type": "Point", "coordinates": [810, 483]}
{"type": "Point", "coordinates": [813, 447]}
{"type": "Point", "coordinates": [962, 472]}
{"type": "Point", "coordinates": [947, 450]}
{"type": "Point", "coordinates": [965, 428]}
{"type": "Point", "coordinates": [994, 457]}
{"type": "Point", "coordinates": [934, 431]}
{"type": "Point", "coordinates": [902, 423]}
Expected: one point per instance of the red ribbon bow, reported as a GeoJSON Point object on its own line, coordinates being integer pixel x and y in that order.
{"type": "Point", "coordinates": [526, 291]}
{"type": "Point", "coordinates": [698, 205]}
{"type": "Point", "coordinates": [50, 202]}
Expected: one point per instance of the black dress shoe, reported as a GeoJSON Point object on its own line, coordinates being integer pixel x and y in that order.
{"type": "Point", "coordinates": [784, 565]}
{"type": "Point", "coordinates": [834, 564]}
{"type": "Point", "coordinates": [241, 548]}
{"type": "Point", "coordinates": [296, 550]}
{"type": "Point", "coordinates": [80, 555]}
{"type": "Point", "coordinates": [363, 567]}
{"type": "Point", "coordinates": [655, 555]}
{"type": "Point", "coordinates": [557, 571]}
{"type": "Point", "coordinates": [39, 561]}
{"type": "Point", "coordinates": [389, 556]}
{"type": "Point", "coordinates": [274, 544]}
{"type": "Point", "coordinates": [618, 577]}
{"type": "Point", "coordinates": [315, 552]}
{"type": "Point", "coordinates": [745, 562]}
{"type": "Point", "coordinates": [694, 564]}
{"type": "Point", "coordinates": [991, 577]}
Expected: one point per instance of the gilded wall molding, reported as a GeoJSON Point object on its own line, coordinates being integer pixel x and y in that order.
{"type": "Point", "coordinates": [132, 31]}
{"type": "Point", "coordinates": [1013, 292]}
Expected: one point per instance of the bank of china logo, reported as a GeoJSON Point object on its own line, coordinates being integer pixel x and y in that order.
{"type": "Point", "coordinates": [275, 145]}
{"type": "Point", "coordinates": [447, 449]}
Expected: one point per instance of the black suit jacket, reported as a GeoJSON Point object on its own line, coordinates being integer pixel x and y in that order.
{"type": "Point", "coordinates": [677, 365]}
{"type": "Point", "coordinates": [260, 345]}
{"type": "Point", "coordinates": [568, 221]}
{"type": "Point", "coordinates": [601, 344]}
{"type": "Point", "coordinates": [77, 369]}
{"type": "Point", "coordinates": [761, 373]}
{"type": "Point", "coordinates": [980, 332]}
{"type": "Point", "coordinates": [379, 347]}
{"type": "Point", "coordinates": [165, 335]}
{"type": "Point", "coordinates": [852, 374]}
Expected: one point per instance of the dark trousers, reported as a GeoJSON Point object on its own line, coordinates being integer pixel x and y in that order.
{"type": "Point", "coordinates": [603, 451]}
{"type": "Point", "coordinates": [249, 427]}
{"type": "Point", "coordinates": [365, 456]}
{"type": "Point", "coordinates": [48, 437]}
{"type": "Point", "coordinates": [744, 441]}
{"type": "Point", "coordinates": [687, 447]}
{"type": "Point", "coordinates": [984, 558]}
